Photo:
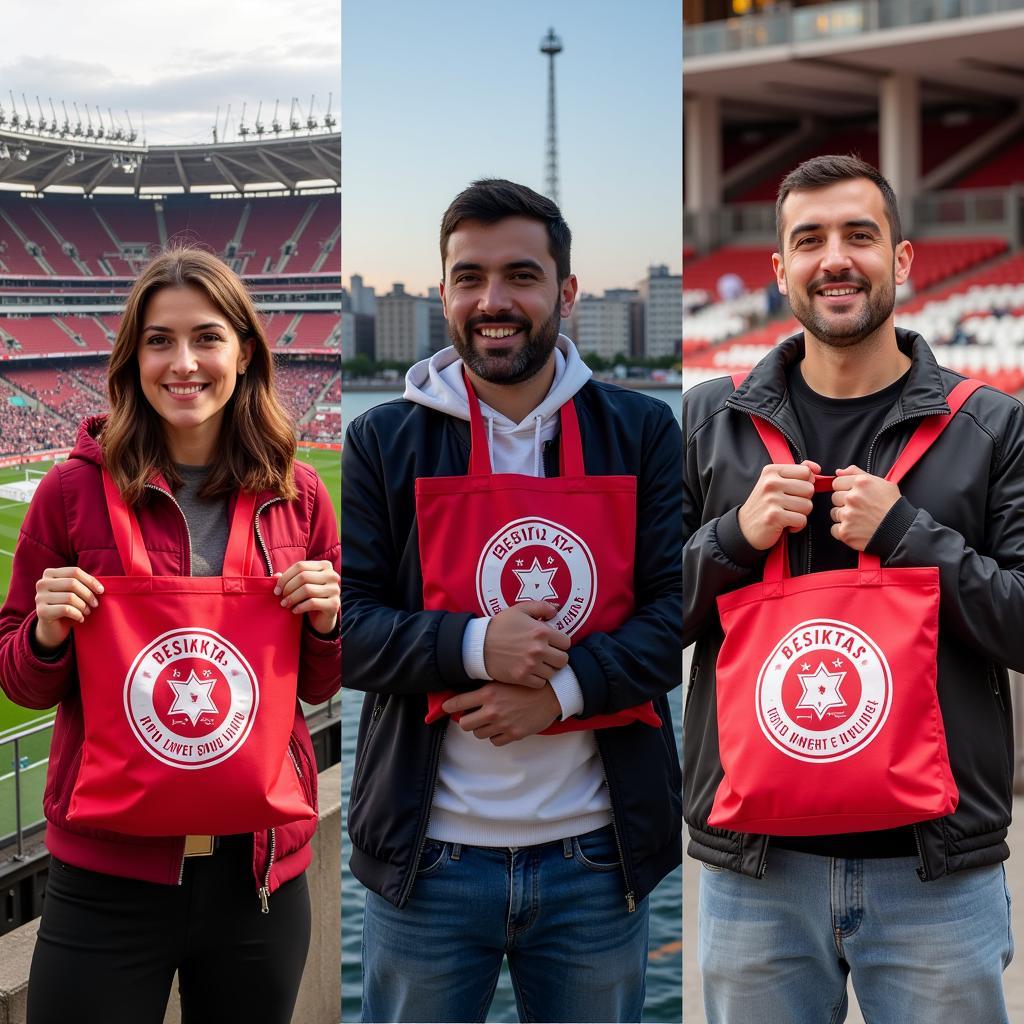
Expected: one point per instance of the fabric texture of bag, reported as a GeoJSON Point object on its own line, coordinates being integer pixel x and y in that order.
{"type": "Point", "coordinates": [828, 719]}
{"type": "Point", "coordinates": [188, 687]}
{"type": "Point", "coordinates": [489, 540]}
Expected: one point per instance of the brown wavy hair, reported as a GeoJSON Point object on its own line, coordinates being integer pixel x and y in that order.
{"type": "Point", "coordinates": [256, 446]}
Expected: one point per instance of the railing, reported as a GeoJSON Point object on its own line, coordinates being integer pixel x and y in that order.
{"type": "Point", "coordinates": [971, 211]}
{"type": "Point", "coordinates": [24, 821]}
{"type": "Point", "coordinates": [790, 25]}
{"type": "Point", "coordinates": [18, 768]}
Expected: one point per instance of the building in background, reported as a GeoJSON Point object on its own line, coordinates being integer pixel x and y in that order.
{"type": "Point", "coordinates": [663, 313]}
{"type": "Point", "coordinates": [403, 326]}
{"type": "Point", "coordinates": [610, 325]}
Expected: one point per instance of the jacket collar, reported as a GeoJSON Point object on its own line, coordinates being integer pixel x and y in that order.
{"type": "Point", "coordinates": [87, 447]}
{"type": "Point", "coordinates": [765, 392]}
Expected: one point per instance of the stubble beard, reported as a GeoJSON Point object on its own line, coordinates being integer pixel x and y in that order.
{"type": "Point", "coordinates": [503, 369]}
{"type": "Point", "coordinates": [877, 308]}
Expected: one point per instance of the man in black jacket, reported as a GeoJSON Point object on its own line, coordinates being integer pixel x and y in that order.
{"type": "Point", "coordinates": [481, 839]}
{"type": "Point", "coordinates": [784, 920]}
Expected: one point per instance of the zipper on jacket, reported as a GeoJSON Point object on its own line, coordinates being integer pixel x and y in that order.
{"type": "Point", "coordinates": [762, 867]}
{"type": "Point", "coordinates": [421, 836]}
{"type": "Point", "coordinates": [259, 536]}
{"type": "Point", "coordinates": [630, 891]}
{"type": "Point", "coordinates": [896, 423]}
{"type": "Point", "coordinates": [265, 888]}
{"type": "Point", "coordinates": [188, 532]}
{"type": "Point", "coordinates": [181, 870]}
{"type": "Point", "coordinates": [993, 679]}
{"type": "Point", "coordinates": [922, 871]}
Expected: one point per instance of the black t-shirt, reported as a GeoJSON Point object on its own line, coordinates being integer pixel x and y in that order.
{"type": "Point", "coordinates": [837, 433]}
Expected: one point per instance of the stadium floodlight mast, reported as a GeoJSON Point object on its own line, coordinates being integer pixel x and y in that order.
{"type": "Point", "coordinates": [551, 46]}
{"type": "Point", "coordinates": [329, 119]}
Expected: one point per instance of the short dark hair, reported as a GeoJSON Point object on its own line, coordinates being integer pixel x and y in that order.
{"type": "Point", "coordinates": [822, 171]}
{"type": "Point", "coordinates": [493, 199]}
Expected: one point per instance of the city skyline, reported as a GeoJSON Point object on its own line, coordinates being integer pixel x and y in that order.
{"type": "Point", "coordinates": [409, 150]}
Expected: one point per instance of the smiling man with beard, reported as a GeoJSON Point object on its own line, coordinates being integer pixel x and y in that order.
{"type": "Point", "coordinates": [917, 916]}
{"type": "Point", "coordinates": [511, 559]}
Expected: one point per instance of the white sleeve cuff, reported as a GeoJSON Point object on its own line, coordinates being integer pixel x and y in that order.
{"type": "Point", "coordinates": [473, 648]}
{"type": "Point", "coordinates": [567, 690]}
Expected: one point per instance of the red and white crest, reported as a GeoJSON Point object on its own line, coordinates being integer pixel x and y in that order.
{"type": "Point", "coordinates": [191, 697]}
{"type": "Point", "coordinates": [824, 692]}
{"type": "Point", "coordinates": [534, 559]}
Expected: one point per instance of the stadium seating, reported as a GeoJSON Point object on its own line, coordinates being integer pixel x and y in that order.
{"type": "Point", "coordinates": [752, 263]}
{"type": "Point", "coordinates": [289, 234]}
{"type": "Point", "coordinates": [1003, 168]}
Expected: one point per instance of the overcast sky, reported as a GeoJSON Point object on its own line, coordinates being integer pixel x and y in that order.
{"type": "Point", "coordinates": [171, 63]}
{"type": "Point", "coordinates": [437, 94]}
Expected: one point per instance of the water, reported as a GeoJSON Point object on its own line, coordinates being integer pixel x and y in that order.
{"type": "Point", "coordinates": [664, 971]}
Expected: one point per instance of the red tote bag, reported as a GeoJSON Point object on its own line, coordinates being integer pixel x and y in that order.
{"type": "Point", "coordinates": [828, 719]}
{"type": "Point", "coordinates": [488, 540]}
{"type": "Point", "coordinates": [188, 691]}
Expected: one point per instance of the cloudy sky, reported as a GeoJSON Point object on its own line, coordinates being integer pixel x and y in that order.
{"type": "Point", "coordinates": [433, 94]}
{"type": "Point", "coordinates": [172, 63]}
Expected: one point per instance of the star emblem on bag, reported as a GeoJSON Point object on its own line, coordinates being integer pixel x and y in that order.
{"type": "Point", "coordinates": [193, 698]}
{"type": "Point", "coordinates": [821, 690]}
{"type": "Point", "coordinates": [535, 583]}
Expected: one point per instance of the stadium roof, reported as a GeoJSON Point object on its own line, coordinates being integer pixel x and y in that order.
{"type": "Point", "coordinates": [967, 60]}
{"type": "Point", "coordinates": [36, 162]}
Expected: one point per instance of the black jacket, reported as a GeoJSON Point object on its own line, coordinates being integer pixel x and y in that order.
{"type": "Point", "coordinates": [962, 509]}
{"type": "Point", "coordinates": [398, 653]}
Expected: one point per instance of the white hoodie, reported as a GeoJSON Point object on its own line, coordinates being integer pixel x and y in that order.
{"type": "Point", "coordinates": [543, 787]}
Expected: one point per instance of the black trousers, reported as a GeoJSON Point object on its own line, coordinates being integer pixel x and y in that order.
{"type": "Point", "coordinates": [108, 947]}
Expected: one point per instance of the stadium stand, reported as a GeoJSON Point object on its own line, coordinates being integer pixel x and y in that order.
{"type": "Point", "coordinates": [67, 261]}
{"type": "Point", "coordinates": [1001, 169]}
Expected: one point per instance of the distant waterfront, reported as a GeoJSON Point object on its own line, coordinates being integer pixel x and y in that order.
{"type": "Point", "coordinates": [357, 398]}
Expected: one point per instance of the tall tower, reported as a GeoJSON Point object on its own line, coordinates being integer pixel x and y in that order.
{"type": "Point", "coordinates": [552, 46]}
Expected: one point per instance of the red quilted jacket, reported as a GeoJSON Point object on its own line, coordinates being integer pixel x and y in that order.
{"type": "Point", "coordinates": [67, 524]}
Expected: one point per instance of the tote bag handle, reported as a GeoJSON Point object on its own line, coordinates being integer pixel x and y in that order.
{"type": "Point", "coordinates": [777, 565]}
{"type": "Point", "coordinates": [132, 548]}
{"type": "Point", "coordinates": [570, 446]}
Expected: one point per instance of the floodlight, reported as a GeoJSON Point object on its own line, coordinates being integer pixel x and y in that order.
{"type": "Point", "coordinates": [22, 153]}
{"type": "Point", "coordinates": [5, 153]}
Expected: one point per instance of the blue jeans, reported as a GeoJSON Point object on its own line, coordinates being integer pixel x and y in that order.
{"type": "Point", "coordinates": [556, 910]}
{"type": "Point", "coordinates": [778, 950]}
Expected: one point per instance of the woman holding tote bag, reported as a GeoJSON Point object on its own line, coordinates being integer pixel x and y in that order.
{"type": "Point", "coordinates": [174, 588]}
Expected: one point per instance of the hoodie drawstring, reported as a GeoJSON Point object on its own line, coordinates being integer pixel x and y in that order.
{"type": "Point", "coordinates": [537, 468]}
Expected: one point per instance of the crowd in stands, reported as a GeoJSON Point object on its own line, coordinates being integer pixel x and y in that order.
{"type": "Point", "coordinates": [24, 430]}
{"type": "Point", "coordinates": [65, 402]}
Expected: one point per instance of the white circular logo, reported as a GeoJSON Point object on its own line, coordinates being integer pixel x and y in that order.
{"type": "Point", "coordinates": [534, 559]}
{"type": "Point", "coordinates": [191, 698]}
{"type": "Point", "coordinates": [824, 692]}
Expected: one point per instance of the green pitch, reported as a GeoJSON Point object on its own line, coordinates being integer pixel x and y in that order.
{"type": "Point", "coordinates": [33, 750]}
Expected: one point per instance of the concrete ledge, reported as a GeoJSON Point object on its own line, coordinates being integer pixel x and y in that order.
{"type": "Point", "coordinates": [319, 999]}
